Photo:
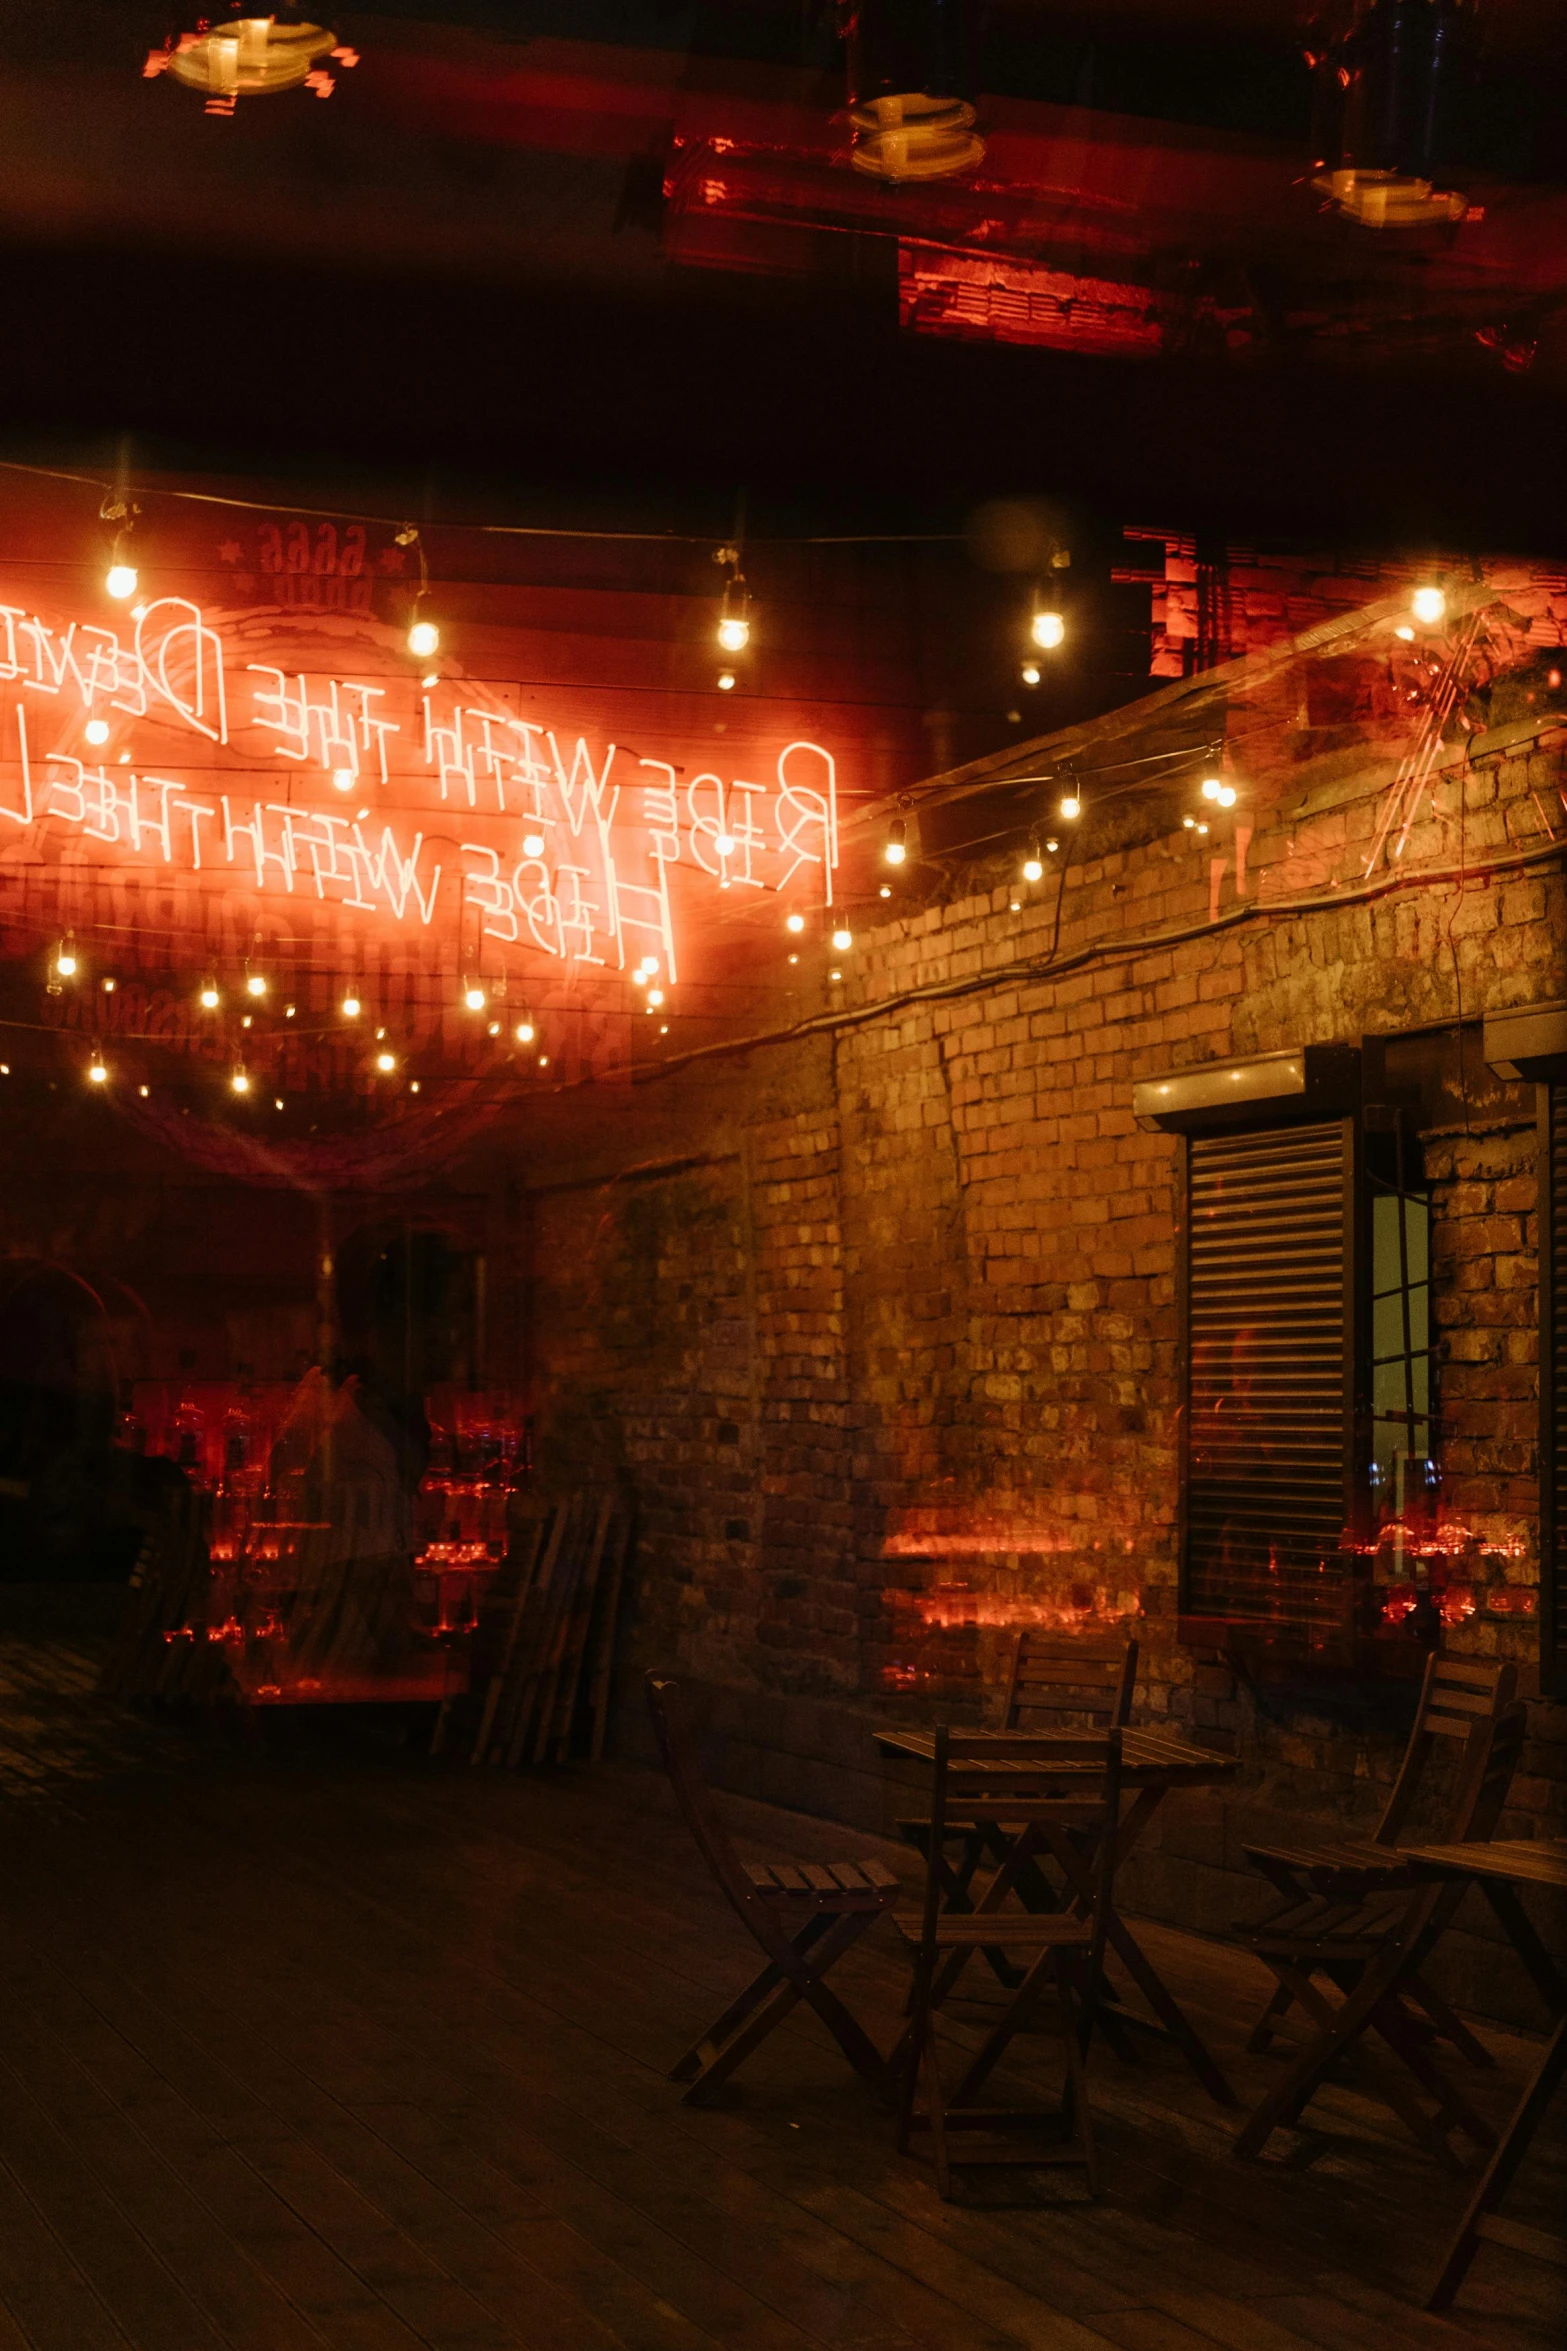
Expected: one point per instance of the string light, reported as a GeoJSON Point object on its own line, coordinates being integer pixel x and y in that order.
{"type": "Point", "coordinates": [96, 730]}
{"type": "Point", "coordinates": [655, 997]}
{"type": "Point", "coordinates": [1048, 631]}
{"type": "Point", "coordinates": [1030, 673]}
{"type": "Point", "coordinates": [1227, 795]}
{"type": "Point", "coordinates": [474, 996]}
{"type": "Point", "coordinates": [724, 844]}
{"type": "Point", "coordinates": [144, 1091]}
{"type": "Point", "coordinates": [413, 1085]}
{"type": "Point", "coordinates": [65, 962]}
{"type": "Point", "coordinates": [843, 939]}
{"type": "Point", "coordinates": [794, 922]}
{"type": "Point", "coordinates": [884, 892]}
{"type": "Point", "coordinates": [255, 983]}
{"type": "Point", "coordinates": [1428, 606]}
{"type": "Point", "coordinates": [120, 581]}
{"type": "Point", "coordinates": [1406, 633]}
{"type": "Point", "coordinates": [734, 617]}
{"type": "Point", "coordinates": [544, 1061]}
{"type": "Point", "coordinates": [897, 848]}
{"type": "Point", "coordinates": [351, 1006]}
{"type": "Point", "coordinates": [1033, 864]}
{"type": "Point", "coordinates": [525, 1031]}
{"type": "Point", "coordinates": [835, 976]}
{"type": "Point", "coordinates": [277, 1101]}
{"type": "Point", "coordinates": [1212, 786]}
{"type": "Point", "coordinates": [97, 1071]}
{"type": "Point", "coordinates": [386, 1063]}
{"type": "Point", "coordinates": [533, 844]}
{"type": "Point", "coordinates": [288, 1012]}
{"type": "Point", "coordinates": [494, 1029]}
{"type": "Point", "coordinates": [240, 1080]}
{"type": "Point", "coordinates": [209, 999]}
{"type": "Point", "coordinates": [424, 638]}
{"type": "Point", "coordinates": [1071, 807]}
{"type": "Point", "coordinates": [343, 779]}
{"type": "Point", "coordinates": [726, 681]}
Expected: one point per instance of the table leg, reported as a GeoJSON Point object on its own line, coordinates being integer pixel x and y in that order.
{"type": "Point", "coordinates": [1546, 1975]}
{"type": "Point", "coordinates": [1499, 2172]}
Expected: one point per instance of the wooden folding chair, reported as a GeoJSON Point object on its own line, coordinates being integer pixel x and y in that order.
{"type": "Point", "coordinates": [1325, 1886]}
{"type": "Point", "coordinates": [1063, 1951]}
{"type": "Point", "coordinates": [805, 1918]}
{"type": "Point", "coordinates": [1366, 1933]}
{"type": "Point", "coordinates": [1054, 1681]}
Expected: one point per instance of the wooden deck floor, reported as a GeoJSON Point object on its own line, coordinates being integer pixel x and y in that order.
{"type": "Point", "coordinates": [309, 2042]}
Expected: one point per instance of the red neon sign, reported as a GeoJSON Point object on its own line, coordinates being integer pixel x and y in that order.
{"type": "Point", "coordinates": [298, 769]}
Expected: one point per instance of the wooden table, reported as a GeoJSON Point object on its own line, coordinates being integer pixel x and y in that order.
{"type": "Point", "coordinates": [1153, 1764]}
{"type": "Point", "coordinates": [1498, 1870]}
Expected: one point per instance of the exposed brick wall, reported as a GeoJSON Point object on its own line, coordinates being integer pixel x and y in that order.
{"type": "Point", "coordinates": [923, 1302]}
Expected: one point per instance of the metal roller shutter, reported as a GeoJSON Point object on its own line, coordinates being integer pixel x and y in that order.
{"type": "Point", "coordinates": [1269, 1322]}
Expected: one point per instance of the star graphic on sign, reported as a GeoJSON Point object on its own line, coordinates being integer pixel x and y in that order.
{"type": "Point", "coordinates": [230, 550]}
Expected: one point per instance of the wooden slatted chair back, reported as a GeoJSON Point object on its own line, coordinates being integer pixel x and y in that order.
{"type": "Point", "coordinates": [677, 1745]}
{"type": "Point", "coordinates": [1460, 1698]}
{"type": "Point", "coordinates": [1064, 1673]}
{"type": "Point", "coordinates": [1078, 1788]}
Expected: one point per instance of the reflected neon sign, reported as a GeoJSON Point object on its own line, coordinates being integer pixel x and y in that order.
{"type": "Point", "coordinates": [428, 806]}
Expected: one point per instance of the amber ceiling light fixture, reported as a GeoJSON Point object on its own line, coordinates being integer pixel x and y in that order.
{"type": "Point", "coordinates": [250, 57]}
{"type": "Point", "coordinates": [910, 120]}
{"type": "Point", "coordinates": [1386, 91]}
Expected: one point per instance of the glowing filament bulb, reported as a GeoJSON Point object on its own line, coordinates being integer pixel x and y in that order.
{"type": "Point", "coordinates": [1033, 867]}
{"type": "Point", "coordinates": [424, 638]}
{"type": "Point", "coordinates": [474, 997]}
{"type": "Point", "coordinates": [1030, 673]}
{"type": "Point", "coordinates": [533, 844]}
{"type": "Point", "coordinates": [96, 730]}
{"type": "Point", "coordinates": [1212, 786]}
{"type": "Point", "coordinates": [724, 843]}
{"type": "Point", "coordinates": [1227, 796]}
{"type": "Point", "coordinates": [1428, 606]}
{"type": "Point", "coordinates": [843, 939]}
{"type": "Point", "coordinates": [342, 779]}
{"type": "Point", "coordinates": [639, 978]}
{"type": "Point", "coordinates": [1407, 634]}
{"type": "Point", "coordinates": [1189, 822]}
{"type": "Point", "coordinates": [794, 922]}
{"type": "Point", "coordinates": [351, 1006]}
{"type": "Point", "coordinates": [120, 581]}
{"type": "Point", "coordinates": [1049, 630]}
{"type": "Point", "coordinates": [726, 681]}
{"type": "Point", "coordinates": [65, 959]}
{"type": "Point", "coordinates": [209, 999]}
{"type": "Point", "coordinates": [734, 633]}
{"type": "Point", "coordinates": [97, 1074]}
{"type": "Point", "coordinates": [897, 848]}
{"type": "Point", "coordinates": [655, 997]}
{"type": "Point", "coordinates": [256, 984]}
{"type": "Point", "coordinates": [1071, 806]}
{"type": "Point", "coordinates": [386, 1063]}
{"type": "Point", "coordinates": [240, 1081]}
{"type": "Point", "coordinates": [525, 1032]}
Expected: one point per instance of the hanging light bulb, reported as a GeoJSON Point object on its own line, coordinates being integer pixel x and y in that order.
{"type": "Point", "coordinates": [1428, 606]}
{"type": "Point", "coordinates": [1030, 673]}
{"type": "Point", "coordinates": [474, 996]}
{"type": "Point", "coordinates": [897, 848]}
{"type": "Point", "coordinates": [65, 962]}
{"type": "Point", "coordinates": [655, 997]}
{"type": "Point", "coordinates": [109, 985]}
{"type": "Point", "coordinates": [724, 844]}
{"type": "Point", "coordinates": [1048, 631]}
{"type": "Point", "coordinates": [209, 998]}
{"type": "Point", "coordinates": [843, 939]}
{"type": "Point", "coordinates": [424, 638]}
{"type": "Point", "coordinates": [639, 978]}
{"type": "Point", "coordinates": [1212, 786]}
{"type": "Point", "coordinates": [1051, 847]}
{"type": "Point", "coordinates": [239, 1081]}
{"type": "Point", "coordinates": [1189, 822]}
{"type": "Point", "coordinates": [255, 983]}
{"type": "Point", "coordinates": [1406, 632]}
{"type": "Point", "coordinates": [533, 844]}
{"type": "Point", "coordinates": [1227, 795]}
{"type": "Point", "coordinates": [726, 681]}
{"type": "Point", "coordinates": [120, 581]}
{"type": "Point", "coordinates": [386, 1062]}
{"type": "Point", "coordinates": [413, 1085]}
{"type": "Point", "coordinates": [97, 1071]}
{"type": "Point", "coordinates": [1071, 807]}
{"type": "Point", "coordinates": [494, 1029]}
{"type": "Point", "coordinates": [526, 1031]}
{"type": "Point", "coordinates": [343, 779]}
{"type": "Point", "coordinates": [1033, 864]}
{"type": "Point", "coordinates": [352, 1007]}
{"type": "Point", "coordinates": [734, 618]}
{"type": "Point", "coordinates": [794, 922]}
{"type": "Point", "coordinates": [97, 731]}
